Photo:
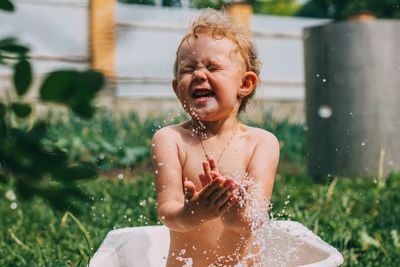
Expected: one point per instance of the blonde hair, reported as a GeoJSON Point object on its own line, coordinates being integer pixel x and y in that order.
{"type": "Point", "coordinates": [220, 25]}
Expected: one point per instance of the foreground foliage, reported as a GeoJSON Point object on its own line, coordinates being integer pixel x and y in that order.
{"type": "Point", "coordinates": [34, 168]}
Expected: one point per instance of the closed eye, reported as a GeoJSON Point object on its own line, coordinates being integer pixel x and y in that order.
{"type": "Point", "coordinates": [213, 67]}
{"type": "Point", "coordinates": [186, 70]}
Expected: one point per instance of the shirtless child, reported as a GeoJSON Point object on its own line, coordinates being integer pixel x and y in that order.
{"type": "Point", "coordinates": [201, 162]}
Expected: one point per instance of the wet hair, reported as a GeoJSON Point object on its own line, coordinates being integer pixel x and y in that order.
{"type": "Point", "coordinates": [220, 25]}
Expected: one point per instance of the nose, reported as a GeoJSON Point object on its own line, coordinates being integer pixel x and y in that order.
{"type": "Point", "coordinates": [199, 75]}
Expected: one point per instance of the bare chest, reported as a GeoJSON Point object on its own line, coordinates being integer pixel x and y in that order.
{"type": "Point", "coordinates": [232, 161]}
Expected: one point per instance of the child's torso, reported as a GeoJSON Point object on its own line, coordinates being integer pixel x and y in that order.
{"type": "Point", "coordinates": [210, 242]}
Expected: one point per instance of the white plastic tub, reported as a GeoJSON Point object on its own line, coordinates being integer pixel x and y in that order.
{"type": "Point", "coordinates": [292, 244]}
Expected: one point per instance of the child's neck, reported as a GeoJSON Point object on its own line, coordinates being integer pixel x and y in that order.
{"type": "Point", "coordinates": [216, 128]}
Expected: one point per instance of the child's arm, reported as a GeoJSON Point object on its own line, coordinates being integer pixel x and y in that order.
{"type": "Point", "coordinates": [179, 212]}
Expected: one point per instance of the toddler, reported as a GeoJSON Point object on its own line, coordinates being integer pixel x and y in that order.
{"type": "Point", "coordinates": [206, 166]}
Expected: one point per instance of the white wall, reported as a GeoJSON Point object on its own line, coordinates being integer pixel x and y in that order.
{"type": "Point", "coordinates": [147, 38]}
{"type": "Point", "coordinates": [56, 32]}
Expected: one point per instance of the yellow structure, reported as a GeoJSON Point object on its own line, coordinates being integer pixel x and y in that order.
{"type": "Point", "coordinates": [241, 13]}
{"type": "Point", "coordinates": [102, 36]}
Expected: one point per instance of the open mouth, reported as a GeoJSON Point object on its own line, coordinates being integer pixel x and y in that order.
{"type": "Point", "coordinates": [202, 94]}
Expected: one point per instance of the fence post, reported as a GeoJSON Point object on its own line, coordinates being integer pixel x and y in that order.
{"type": "Point", "coordinates": [240, 11]}
{"type": "Point", "coordinates": [102, 45]}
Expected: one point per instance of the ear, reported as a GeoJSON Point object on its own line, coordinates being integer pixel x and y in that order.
{"type": "Point", "coordinates": [249, 82]}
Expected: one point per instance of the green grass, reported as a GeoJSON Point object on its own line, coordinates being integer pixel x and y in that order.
{"type": "Point", "coordinates": [41, 239]}
{"type": "Point", "coordinates": [360, 217]}
{"type": "Point", "coordinates": [123, 140]}
{"type": "Point", "coordinates": [356, 216]}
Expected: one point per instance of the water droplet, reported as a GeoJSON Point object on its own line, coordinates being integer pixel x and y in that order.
{"type": "Point", "coordinates": [10, 195]}
{"type": "Point", "coordinates": [362, 143]}
{"type": "Point", "coordinates": [14, 205]}
{"type": "Point", "coordinates": [324, 80]}
{"type": "Point", "coordinates": [325, 111]}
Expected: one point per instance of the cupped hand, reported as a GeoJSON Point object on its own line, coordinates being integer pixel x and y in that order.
{"type": "Point", "coordinates": [216, 196]}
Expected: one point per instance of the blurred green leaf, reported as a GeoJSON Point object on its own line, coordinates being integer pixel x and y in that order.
{"type": "Point", "coordinates": [83, 110]}
{"type": "Point", "coordinates": [38, 130]}
{"type": "Point", "coordinates": [3, 125]}
{"type": "Point", "coordinates": [21, 110]}
{"type": "Point", "coordinates": [6, 5]}
{"type": "Point", "coordinates": [24, 190]}
{"type": "Point", "coordinates": [3, 178]}
{"type": "Point", "coordinates": [14, 48]}
{"type": "Point", "coordinates": [73, 88]}
{"type": "Point", "coordinates": [92, 81]}
{"type": "Point", "coordinates": [8, 41]}
{"type": "Point", "coordinates": [22, 76]}
{"type": "Point", "coordinates": [59, 86]}
{"type": "Point", "coordinates": [341, 9]}
{"type": "Point", "coordinates": [77, 172]}
{"type": "Point", "coordinates": [57, 159]}
{"type": "Point", "coordinates": [64, 198]}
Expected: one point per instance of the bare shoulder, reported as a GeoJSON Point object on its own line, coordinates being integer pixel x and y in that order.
{"type": "Point", "coordinates": [262, 137]}
{"type": "Point", "coordinates": [170, 133]}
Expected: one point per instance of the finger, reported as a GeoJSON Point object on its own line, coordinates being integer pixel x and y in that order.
{"type": "Point", "coordinates": [215, 174]}
{"type": "Point", "coordinates": [229, 181]}
{"type": "Point", "coordinates": [213, 165]}
{"type": "Point", "coordinates": [228, 204]}
{"type": "Point", "coordinates": [206, 168]}
{"type": "Point", "coordinates": [218, 192]}
{"type": "Point", "coordinates": [222, 198]}
{"type": "Point", "coordinates": [211, 187]}
{"type": "Point", "coordinates": [204, 180]}
{"type": "Point", "coordinates": [189, 189]}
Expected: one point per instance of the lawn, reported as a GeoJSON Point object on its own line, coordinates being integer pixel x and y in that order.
{"type": "Point", "coordinates": [360, 217]}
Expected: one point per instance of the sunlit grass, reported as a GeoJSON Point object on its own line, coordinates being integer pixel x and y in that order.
{"type": "Point", "coordinates": [357, 217]}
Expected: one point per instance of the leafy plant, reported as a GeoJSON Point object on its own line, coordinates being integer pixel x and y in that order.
{"type": "Point", "coordinates": [36, 169]}
{"type": "Point", "coordinates": [341, 9]}
{"type": "Point", "coordinates": [276, 7]}
{"type": "Point", "coordinates": [109, 140]}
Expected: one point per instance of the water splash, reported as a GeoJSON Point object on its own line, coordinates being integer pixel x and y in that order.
{"type": "Point", "coordinates": [187, 262]}
{"type": "Point", "coordinates": [325, 111]}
